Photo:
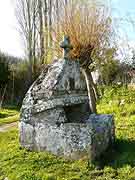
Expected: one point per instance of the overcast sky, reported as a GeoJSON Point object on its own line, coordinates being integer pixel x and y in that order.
{"type": "Point", "coordinates": [11, 43]}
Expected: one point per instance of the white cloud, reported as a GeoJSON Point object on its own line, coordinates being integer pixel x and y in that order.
{"type": "Point", "coordinates": [125, 52]}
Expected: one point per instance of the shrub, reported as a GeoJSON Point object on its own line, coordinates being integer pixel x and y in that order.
{"type": "Point", "coordinates": [89, 27]}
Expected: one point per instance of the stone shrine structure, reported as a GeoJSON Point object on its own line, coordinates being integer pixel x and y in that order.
{"type": "Point", "coordinates": [55, 114]}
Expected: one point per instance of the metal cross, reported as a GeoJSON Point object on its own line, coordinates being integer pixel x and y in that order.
{"type": "Point", "coordinates": [66, 46]}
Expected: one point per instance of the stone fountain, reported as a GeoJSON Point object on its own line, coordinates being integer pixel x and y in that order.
{"type": "Point", "coordinates": [55, 114]}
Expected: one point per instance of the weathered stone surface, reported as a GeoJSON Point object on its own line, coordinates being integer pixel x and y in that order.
{"type": "Point", "coordinates": [73, 140]}
{"type": "Point", "coordinates": [26, 135]}
{"type": "Point", "coordinates": [55, 115]}
{"type": "Point", "coordinates": [62, 85]}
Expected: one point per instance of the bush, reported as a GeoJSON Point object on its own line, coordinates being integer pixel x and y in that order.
{"type": "Point", "coordinates": [89, 27]}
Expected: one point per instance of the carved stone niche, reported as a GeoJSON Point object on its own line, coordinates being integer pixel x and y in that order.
{"type": "Point", "coordinates": [55, 115]}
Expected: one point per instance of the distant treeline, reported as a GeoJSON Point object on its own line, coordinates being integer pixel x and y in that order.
{"type": "Point", "coordinates": [14, 80]}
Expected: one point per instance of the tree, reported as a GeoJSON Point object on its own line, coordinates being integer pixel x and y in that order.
{"type": "Point", "coordinates": [107, 65]}
{"type": "Point", "coordinates": [133, 60]}
{"type": "Point", "coordinates": [45, 17]}
{"type": "Point", "coordinates": [57, 15]}
{"type": "Point", "coordinates": [89, 27]}
{"type": "Point", "coordinates": [50, 22]}
{"type": "Point", "coordinates": [109, 71]}
{"type": "Point", "coordinates": [41, 30]}
{"type": "Point", "coordinates": [4, 71]}
{"type": "Point", "coordinates": [26, 13]}
{"type": "Point", "coordinates": [4, 77]}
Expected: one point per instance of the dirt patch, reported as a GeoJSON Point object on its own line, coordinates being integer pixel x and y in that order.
{"type": "Point", "coordinates": [7, 127]}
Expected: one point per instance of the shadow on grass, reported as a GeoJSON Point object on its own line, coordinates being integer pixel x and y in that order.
{"type": "Point", "coordinates": [3, 115]}
{"type": "Point", "coordinates": [12, 107]}
{"type": "Point", "coordinates": [123, 153]}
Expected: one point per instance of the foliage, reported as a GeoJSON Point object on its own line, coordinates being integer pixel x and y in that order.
{"type": "Point", "coordinates": [107, 65]}
{"type": "Point", "coordinates": [4, 70]}
{"type": "Point", "coordinates": [13, 78]}
{"type": "Point", "coordinates": [18, 164]}
{"type": "Point", "coordinates": [133, 60]}
{"type": "Point", "coordinates": [14, 75]}
{"type": "Point", "coordinates": [109, 71]}
{"type": "Point", "coordinates": [6, 62]}
{"type": "Point", "coordinates": [21, 80]}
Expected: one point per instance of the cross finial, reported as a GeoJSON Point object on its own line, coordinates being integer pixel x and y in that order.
{"type": "Point", "coordinates": [66, 46]}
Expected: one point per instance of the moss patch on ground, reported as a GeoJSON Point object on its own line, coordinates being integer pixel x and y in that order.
{"type": "Point", "coordinates": [18, 164]}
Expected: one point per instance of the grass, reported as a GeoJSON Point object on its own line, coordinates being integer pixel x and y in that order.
{"type": "Point", "coordinates": [18, 164]}
{"type": "Point", "coordinates": [8, 116]}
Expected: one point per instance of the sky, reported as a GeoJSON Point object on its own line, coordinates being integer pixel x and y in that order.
{"type": "Point", "coordinates": [10, 41]}
{"type": "Point", "coordinates": [123, 12]}
{"type": "Point", "coordinates": [125, 9]}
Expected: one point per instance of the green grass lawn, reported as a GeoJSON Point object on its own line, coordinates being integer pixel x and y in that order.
{"type": "Point", "coordinates": [18, 164]}
{"type": "Point", "coordinates": [8, 116]}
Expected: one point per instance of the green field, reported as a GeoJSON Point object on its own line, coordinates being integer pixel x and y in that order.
{"type": "Point", "coordinates": [18, 164]}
